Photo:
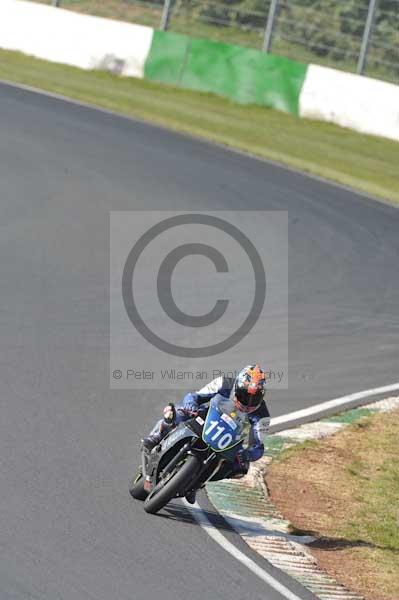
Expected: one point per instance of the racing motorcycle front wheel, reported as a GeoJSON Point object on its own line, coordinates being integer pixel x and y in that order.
{"type": "Point", "coordinates": [171, 485]}
{"type": "Point", "coordinates": [136, 487]}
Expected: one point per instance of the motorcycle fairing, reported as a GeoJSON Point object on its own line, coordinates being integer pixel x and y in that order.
{"type": "Point", "coordinates": [180, 433]}
{"type": "Point", "coordinates": [223, 425]}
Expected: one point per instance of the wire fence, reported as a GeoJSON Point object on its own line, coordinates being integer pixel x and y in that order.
{"type": "Point", "coordinates": [354, 35]}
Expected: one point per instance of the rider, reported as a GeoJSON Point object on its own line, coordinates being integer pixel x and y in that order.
{"type": "Point", "coordinates": [247, 391]}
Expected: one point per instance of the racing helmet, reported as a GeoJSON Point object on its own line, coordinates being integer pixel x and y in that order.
{"type": "Point", "coordinates": [249, 388]}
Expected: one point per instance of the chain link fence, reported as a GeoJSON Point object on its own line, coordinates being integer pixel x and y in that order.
{"type": "Point", "coordinates": [353, 35]}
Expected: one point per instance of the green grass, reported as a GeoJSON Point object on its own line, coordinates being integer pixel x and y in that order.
{"type": "Point", "coordinates": [364, 162]}
{"type": "Point", "coordinates": [351, 481]}
{"type": "Point", "coordinates": [374, 475]}
{"type": "Point", "coordinates": [294, 450]}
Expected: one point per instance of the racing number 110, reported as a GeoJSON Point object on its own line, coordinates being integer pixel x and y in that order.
{"type": "Point", "coordinates": [224, 440]}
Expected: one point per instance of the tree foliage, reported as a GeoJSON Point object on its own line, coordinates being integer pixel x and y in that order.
{"type": "Point", "coordinates": [328, 28]}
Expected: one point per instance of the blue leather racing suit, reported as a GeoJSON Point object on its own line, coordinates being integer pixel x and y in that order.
{"type": "Point", "coordinates": [259, 420]}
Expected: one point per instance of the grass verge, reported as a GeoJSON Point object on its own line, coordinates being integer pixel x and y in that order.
{"type": "Point", "coordinates": [366, 163]}
{"type": "Point", "coordinates": [345, 491]}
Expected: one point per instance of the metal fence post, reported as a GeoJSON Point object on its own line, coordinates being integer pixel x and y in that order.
{"type": "Point", "coordinates": [56, 3]}
{"type": "Point", "coordinates": [366, 36]}
{"type": "Point", "coordinates": [165, 15]}
{"type": "Point", "coordinates": [267, 40]}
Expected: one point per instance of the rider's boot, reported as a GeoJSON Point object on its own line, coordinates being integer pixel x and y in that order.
{"type": "Point", "coordinates": [151, 441]}
{"type": "Point", "coordinates": [190, 496]}
{"type": "Point", "coordinates": [161, 429]}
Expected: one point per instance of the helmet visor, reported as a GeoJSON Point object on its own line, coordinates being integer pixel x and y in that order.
{"type": "Point", "coordinates": [247, 402]}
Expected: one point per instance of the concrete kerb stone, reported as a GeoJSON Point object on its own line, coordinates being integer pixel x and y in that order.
{"type": "Point", "coordinates": [246, 505]}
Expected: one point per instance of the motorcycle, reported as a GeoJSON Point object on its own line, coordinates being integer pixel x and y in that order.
{"type": "Point", "coordinates": [194, 452]}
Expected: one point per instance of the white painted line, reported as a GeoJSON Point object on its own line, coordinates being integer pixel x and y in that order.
{"type": "Point", "coordinates": [285, 421]}
{"type": "Point", "coordinates": [313, 412]}
{"type": "Point", "coordinates": [220, 539]}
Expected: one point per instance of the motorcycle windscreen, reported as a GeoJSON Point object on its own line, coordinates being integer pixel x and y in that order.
{"type": "Point", "coordinates": [221, 431]}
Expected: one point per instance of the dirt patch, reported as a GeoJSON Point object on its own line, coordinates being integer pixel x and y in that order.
{"type": "Point", "coordinates": [344, 490]}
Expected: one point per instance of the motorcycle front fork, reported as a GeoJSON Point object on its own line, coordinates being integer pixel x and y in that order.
{"type": "Point", "coordinates": [216, 468]}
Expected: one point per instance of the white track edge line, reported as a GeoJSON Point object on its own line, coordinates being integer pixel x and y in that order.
{"type": "Point", "coordinates": [203, 521]}
{"type": "Point", "coordinates": [220, 539]}
{"type": "Point", "coordinates": [283, 419]}
{"type": "Point", "coordinates": [313, 412]}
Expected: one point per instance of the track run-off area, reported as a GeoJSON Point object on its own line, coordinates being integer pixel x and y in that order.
{"type": "Point", "coordinates": [68, 444]}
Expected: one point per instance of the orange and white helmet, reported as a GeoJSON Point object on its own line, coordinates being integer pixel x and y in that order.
{"type": "Point", "coordinates": [249, 388]}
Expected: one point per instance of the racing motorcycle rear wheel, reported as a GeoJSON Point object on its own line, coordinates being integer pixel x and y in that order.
{"type": "Point", "coordinates": [175, 483]}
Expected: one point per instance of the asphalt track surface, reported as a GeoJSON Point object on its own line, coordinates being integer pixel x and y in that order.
{"type": "Point", "coordinates": [69, 529]}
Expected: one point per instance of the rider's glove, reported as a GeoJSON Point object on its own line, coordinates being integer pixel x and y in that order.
{"type": "Point", "coordinates": [242, 460]}
{"type": "Point", "coordinates": [189, 405]}
{"type": "Point", "coordinates": [169, 414]}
